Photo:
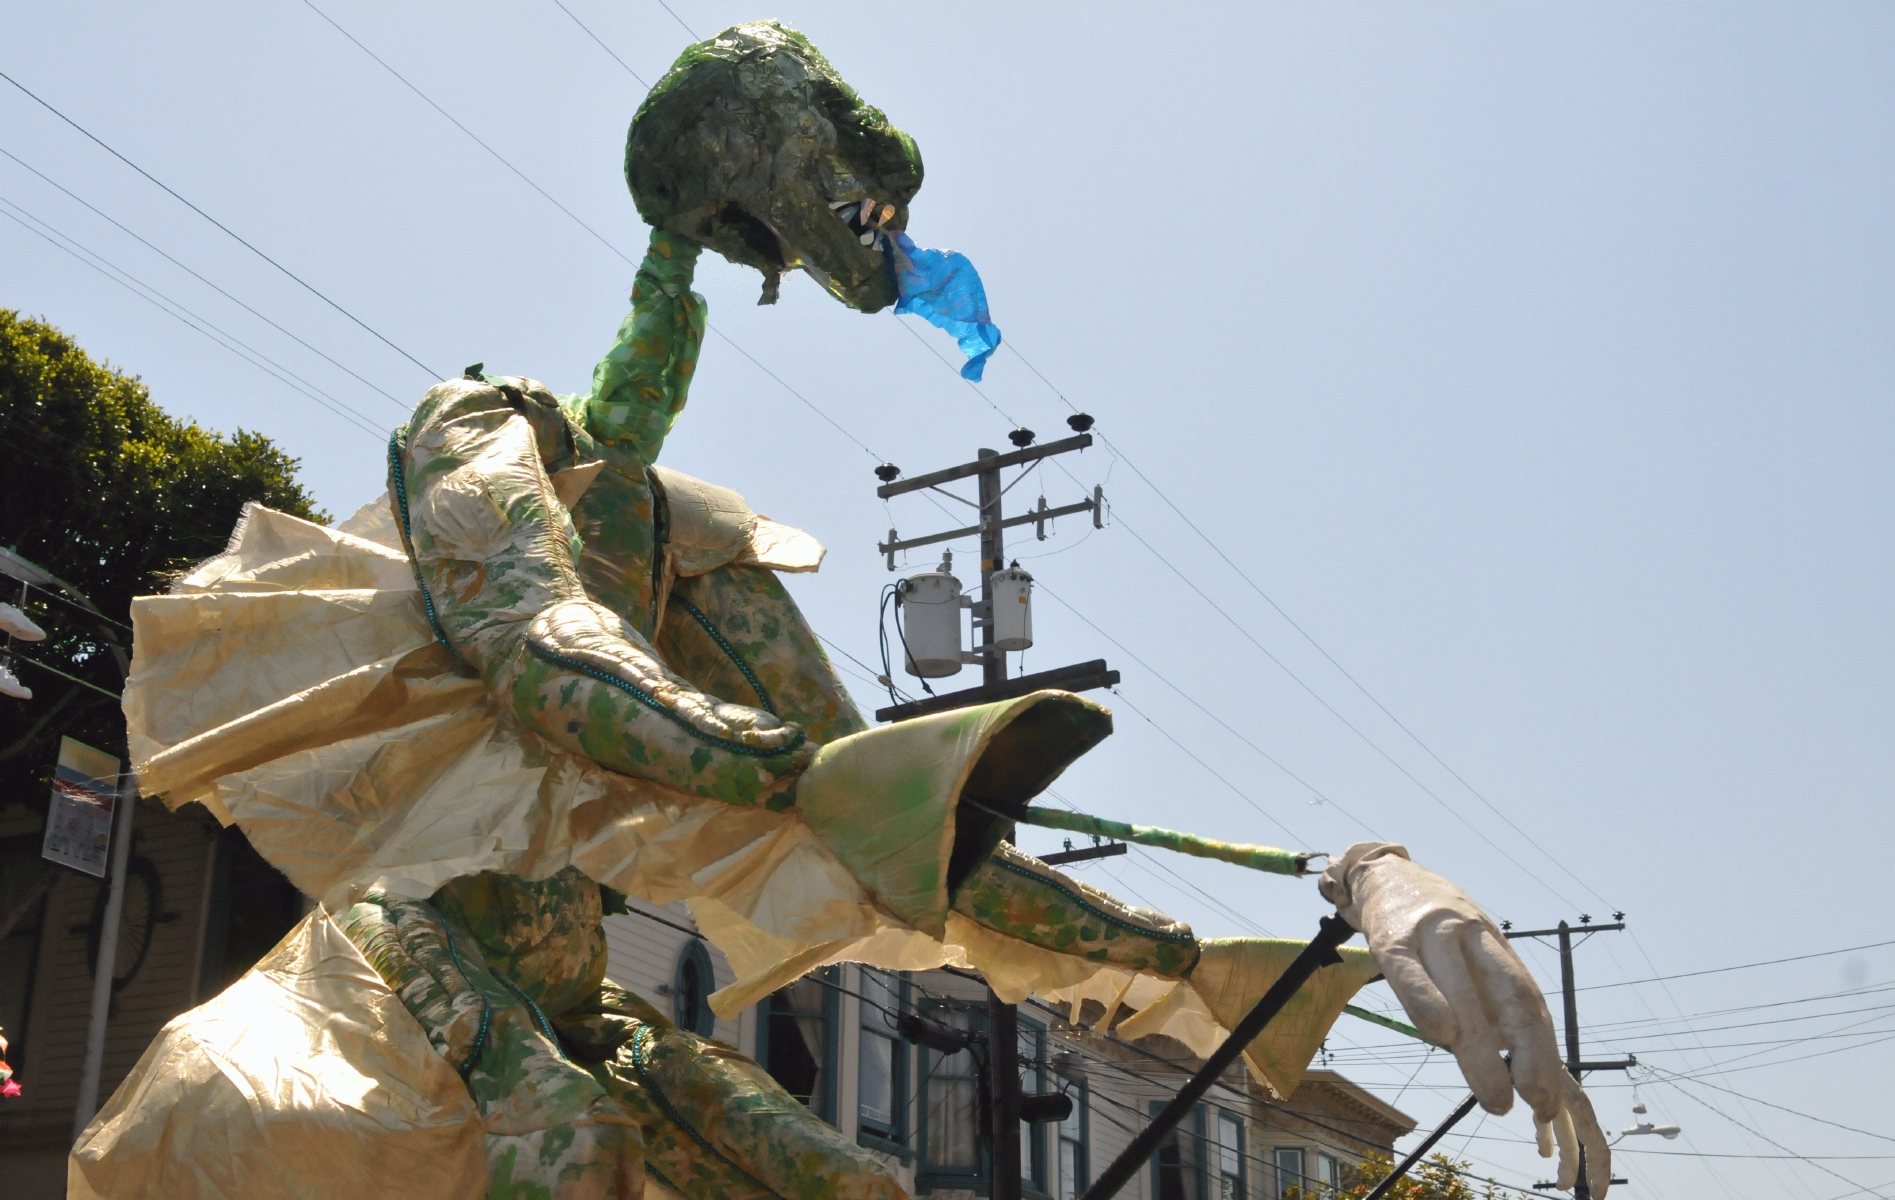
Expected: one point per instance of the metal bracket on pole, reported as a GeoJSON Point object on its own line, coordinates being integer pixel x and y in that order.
{"type": "Point", "coordinates": [1036, 516]}
{"type": "Point", "coordinates": [1321, 952]}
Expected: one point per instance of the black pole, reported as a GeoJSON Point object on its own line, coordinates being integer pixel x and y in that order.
{"type": "Point", "coordinates": [1582, 1190]}
{"type": "Point", "coordinates": [1321, 952]}
{"type": "Point", "coordinates": [1415, 1156]}
{"type": "Point", "coordinates": [1003, 1020]}
{"type": "Point", "coordinates": [1003, 1076]}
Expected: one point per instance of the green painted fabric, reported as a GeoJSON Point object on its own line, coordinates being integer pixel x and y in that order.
{"type": "Point", "coordinates": [755, 616]}
{"type": "Point", "coordinates": [1018, 895]}
{"type": "Point", "coordinates": [546, 937]}
{"type": "Point", "coordinates": [715, 1125]}
{"type": "Point", "coordinates": [499, 559]}
{"type": "Point", "coordinates": [553, 1130]}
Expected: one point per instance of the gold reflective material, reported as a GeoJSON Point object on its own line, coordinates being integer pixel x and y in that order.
{"type": "Point", "coordinates": [305, 1077]}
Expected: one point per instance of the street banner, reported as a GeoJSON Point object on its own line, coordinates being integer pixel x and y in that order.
{"type": "Point", "coordinates": [79, 825]}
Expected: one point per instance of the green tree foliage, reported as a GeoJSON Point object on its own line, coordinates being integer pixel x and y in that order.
{"type": "Point", "coordinates": [1438, 1177]}
{"type": "Point", "coordinates": [107, 491]}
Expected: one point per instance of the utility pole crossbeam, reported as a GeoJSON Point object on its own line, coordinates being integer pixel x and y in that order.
{"type": "Point", "coordinates": [988, 461]}
{"type": "Point", "coordinates": [1086, 854]}
{"type": "Point", "coordinates": [1080, 677]}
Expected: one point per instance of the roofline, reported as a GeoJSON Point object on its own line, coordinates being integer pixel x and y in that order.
{"type": "Point", "coordinates": [1387, 1111]}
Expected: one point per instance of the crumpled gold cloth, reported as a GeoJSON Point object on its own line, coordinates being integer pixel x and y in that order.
{"type": "Point", "coordinates": [305, 1079]}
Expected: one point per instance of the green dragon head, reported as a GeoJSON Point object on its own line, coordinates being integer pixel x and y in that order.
{"type": "Point", "coordinates": [753, 145]}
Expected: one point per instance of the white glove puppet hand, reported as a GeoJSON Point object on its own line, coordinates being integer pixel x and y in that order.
{"type": "Point", "coordinates": [1464, 987]}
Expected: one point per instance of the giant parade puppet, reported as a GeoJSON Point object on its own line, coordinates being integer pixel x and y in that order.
{"type": "Point", "coordinates": [546, 669]}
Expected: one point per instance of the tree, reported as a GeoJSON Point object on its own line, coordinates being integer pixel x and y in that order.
{"type": "Point", "coordinates": [1438, 1177]}
{"type": "Point", "coordinates": [115, 496]}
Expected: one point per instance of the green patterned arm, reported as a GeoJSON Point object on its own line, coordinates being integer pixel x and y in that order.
{"type": "Point", "coordinates": [495, 555]}
{"type": "Point", "coordinates": [640, 386]}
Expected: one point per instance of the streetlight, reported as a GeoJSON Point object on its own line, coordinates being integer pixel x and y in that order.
{"type": "Point", "coordinates": [1668, 1132]}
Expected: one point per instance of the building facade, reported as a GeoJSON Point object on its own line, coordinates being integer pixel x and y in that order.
{"type": "Point", "coordinates": [202, 907]}
{"type": "Point", "coordinates": [831, 1040]}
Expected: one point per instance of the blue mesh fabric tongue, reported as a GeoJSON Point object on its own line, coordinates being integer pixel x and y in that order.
{"type": "Point", "coordinates": [942, 287]}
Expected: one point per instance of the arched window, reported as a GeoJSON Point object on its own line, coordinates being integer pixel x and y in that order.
{"type": "Point", "coordinates": [692, 983]}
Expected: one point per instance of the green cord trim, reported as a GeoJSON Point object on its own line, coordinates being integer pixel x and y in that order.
{"type": "Point", "coordinates": [640, 1041]}
{"type": "Point", "coordinates": [756, 684]}
{"type": "Point", "coordinates": [546, 1026]}
{"type": "Point", "coordinates": [652, 702]}
{"type": "Point", "coordinates": [407, 544]}
{"type": "Point", "coordinates": [1082, 902]}
{"type": "Point", "coordinates": [486, 1005]}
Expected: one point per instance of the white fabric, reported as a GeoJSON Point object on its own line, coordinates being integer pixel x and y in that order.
{"type": "Point", "coordinates": [1464, 987]}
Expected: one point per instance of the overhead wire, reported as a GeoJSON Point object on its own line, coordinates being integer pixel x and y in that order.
{"type": "Point", "coordinates": [1306, 635]}
{"type": "Point", "coordinates": [1770, 962]}
{"type": "Point", "coordinates": [299, 280]}
{"type": "Point", "coordinates": [570, 214]}
{"type": "Point", "coordinates": [191, 319]}
{"type": "Point", "coordinates": [201, 279]}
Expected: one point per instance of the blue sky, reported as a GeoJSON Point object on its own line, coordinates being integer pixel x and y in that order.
{"type": "Point", "coordinates": [1533, 360]}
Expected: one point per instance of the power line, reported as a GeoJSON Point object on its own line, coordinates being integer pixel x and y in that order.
{"type": "Point", "coordinates": [1766, 1137]}
{"type": "Point", "coordinates": [595, 37]}
{"type": "Point", "coordinates": [680, 21]}
{"type": "Point", "coordinates": [1333, 711]}
{"type": "Point", "coordinates": [1195, 703]}
{"type": "Point", "coordinates": [280, 373]}
{"type": "Point", "coordinates": [432, 373]}
{"type": "Point", "coordinates": [1742, 966]}
{"type": "Point", "coordinates": [1215, 774]}
{"type": "Point", "coordinates": [1793, 1112]}
{"type": "Point", "coordinates": [1308, 637]}
{"type": "Point", "coordinates": [498, 157]}
{"type": "Point", "coordinates": [220, 291]}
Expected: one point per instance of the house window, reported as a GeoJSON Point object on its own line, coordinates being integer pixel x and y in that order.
{"type": "Point", "coordinates": [1328, 1175]}
{"type": "Point", "coordinates": [950, 1127]}
{"type": "Point", "coordinates": [1289, 1169]}
{"type": "Point", "coordinates": [882, 1108]}
{"type": "Point", "coordinates": [1032, 1083]}
{"type": "Point", "coordinates": [1075, 1172]}
{"type": "Point", "coordinates": [1230, 1156]}
{"type": "Point", "coordinates": [692, 983]}
{"type": "Point", "coordinates": [1178, 1167]}
{"type": "Point", "coordinates": [796, 1042]}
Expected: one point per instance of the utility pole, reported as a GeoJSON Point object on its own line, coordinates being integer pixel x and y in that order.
{"type": "Point", "coordinates": [1569, 994]}
{"type": "Point", "coordinates": [1003, 1020]}
{"type": "Point", "coordinates": [991, 529]}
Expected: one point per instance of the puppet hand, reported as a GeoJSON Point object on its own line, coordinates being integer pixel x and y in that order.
{"type": "Point", "coordinates": [738, 723]}
{"type": "Point", "coordinates": [1464, 987]}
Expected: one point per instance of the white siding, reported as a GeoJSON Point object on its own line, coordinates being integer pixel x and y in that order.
{"type": "Point", "coordinates": [643, 958]}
